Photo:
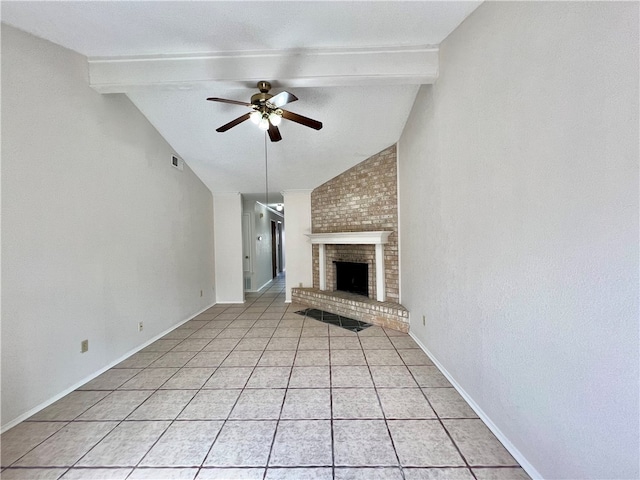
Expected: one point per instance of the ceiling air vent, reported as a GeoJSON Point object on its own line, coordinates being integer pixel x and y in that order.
{"type": "Point", "coordinates": [177, 162]}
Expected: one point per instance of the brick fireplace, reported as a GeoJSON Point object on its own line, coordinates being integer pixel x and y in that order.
{"type": "Point", "coordinates": [354, 218]}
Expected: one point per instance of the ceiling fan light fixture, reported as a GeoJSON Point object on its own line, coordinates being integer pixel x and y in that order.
{"type": "Point", "coordinates": [275, 118]}
{"type": "Point", "coordinates": [264, 123]}
{"type": "Point", "coordinates": [255, 117]}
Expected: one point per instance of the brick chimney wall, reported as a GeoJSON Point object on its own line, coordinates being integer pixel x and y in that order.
{"type": "Point", "coordinates": [364, 198]}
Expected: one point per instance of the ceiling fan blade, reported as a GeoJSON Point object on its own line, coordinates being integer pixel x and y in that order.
{"type": "Point", "coordinates": [282, 99]}
{"type": "Point", "coordinates": [274, 133]}
{"type": "Point", "coordinates": [307, 122]}
{"type": "Point", "coordinates": [224, 100]}
{"type": "Point", "coordinates": [233, 123]}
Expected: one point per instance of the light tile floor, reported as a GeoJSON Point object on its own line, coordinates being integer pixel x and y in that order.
{"type": "Point", "coordinates": [259, 392]}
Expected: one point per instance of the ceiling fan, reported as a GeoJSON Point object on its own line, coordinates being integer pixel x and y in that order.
{"type": "Point", "coordinates": [267, 112]}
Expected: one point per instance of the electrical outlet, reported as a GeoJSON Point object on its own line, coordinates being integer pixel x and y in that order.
{"type": "Point", "coordinates": [424, 320]}
{"type": "Point", "coordinates": [84, 346]}
{"type": "Point", "coordinates": [140, 326]}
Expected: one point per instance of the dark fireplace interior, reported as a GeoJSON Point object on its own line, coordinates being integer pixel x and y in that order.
{"type": "Point", "coordinates": [352, 277]}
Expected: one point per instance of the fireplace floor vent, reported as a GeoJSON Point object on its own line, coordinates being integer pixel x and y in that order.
{"type": "Point", "coordinates": [333, 319]}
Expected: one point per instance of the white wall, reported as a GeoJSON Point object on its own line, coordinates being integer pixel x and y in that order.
{"type": "Point", "coordinates": [227, 214]}
{"type": "Point", "coordinates": [297, 206]}
{"type": "Point", "coordinates": [519, 207]}
{"type": "Point", "coordinates": [99, 231]}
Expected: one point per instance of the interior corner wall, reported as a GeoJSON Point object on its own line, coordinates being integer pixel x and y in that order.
{"type": "Point", "coordinates": [297, 207]}
{"type": "Point", "coordinates": [99, 231]}
{"type": "Point", "coordinates": [227, 214]}
{"type": "Point", "coordinates": [519, 206]}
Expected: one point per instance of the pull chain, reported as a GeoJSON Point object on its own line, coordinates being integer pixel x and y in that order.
{"type": "Point", "coordinates": [266, 173]}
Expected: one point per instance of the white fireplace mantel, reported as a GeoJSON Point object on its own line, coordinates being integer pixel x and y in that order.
{"type": "Point", "coordinates": [377, 238]}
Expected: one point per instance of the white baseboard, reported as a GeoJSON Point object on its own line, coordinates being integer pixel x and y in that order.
{"type": "Point", "coordinates": [77, 385]}
{"type": "Point", "coordinates": [524, 463]}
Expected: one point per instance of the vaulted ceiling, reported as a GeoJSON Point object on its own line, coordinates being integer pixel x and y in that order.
{"type": "Point", "coordinates": [355, 66]}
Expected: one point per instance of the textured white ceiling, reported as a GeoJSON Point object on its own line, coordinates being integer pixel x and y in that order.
{"type": "Point", "coordinates": [359, 120]}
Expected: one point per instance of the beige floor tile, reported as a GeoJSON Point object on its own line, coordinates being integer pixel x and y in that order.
{"type": "Point", "coordinates": [345, 343]}
{"type": "Point", "coordinates": [173, 359]}
{"type": "Point", "coordinates": [269, 377]}
{"type": "Point", "coordinates": [207, 332]}
{"type": "Point", "coordinates": [189, 378]}
{"type": "Point", "coordinates": [309, 377]}
{"type": "Point", "coordinates": [315, 331]}
{"type": "Point", "coordinates": [191, 344]}
{"type": "Point", "coordinates": [111, 379]}
{"type": "Point", "coordinates": [230, 332]}
{"type": "Point", "coordinates": [348, 376]}
{"type": "Point", "coordinates": [283, 343]}
{"type": "Point", "coordinates": [163, 405]}
{"type": "Point", "coordinates": [313, 343]}
{"type": "Point", "coordinates": [307, 403]}
{"type": "Point", "coordinates": [125, 445]}
{"type": "Point", "coordinates": [348, 357]}
{"type": "Point", "coordinates": [117, 405]}
{"type": "Point", "coordinates": [448, 403]}
{"type": "Point", "coordinates": [242, 444]}
{"type": "Point", "coordinates": [277, 358]}
{"type": "Point", "coordinates": [97, 474]}
{"type": "Point", "coordinates": [355, 403]}
{"type": "Point", "coordinates": [67, 446]}
{"type": "Point", "coordinates": [260, 332]}
{"type": "Point", "coordinates": [210, 405]}
{"type": "Point", "coordinates": [229, 378]}
{"type": "Point", "coordinates": [209, 473]}
{"type": "Point", "coordinates": [163, 474]}
{"type": "Point", "coordinates": [376, 343]}
{"type": "Point", "coordinates": [149, 378]}
{"type": "Point", "coordinates": [423, 443]}
{"type": "Point", "coordinates": [317, 473]}
{"type": "Point", "coordinates": [252, 343]}
{"type": "Point", "coordinates": [32, 473]}
{"type": "Point", "coordinates": [404, 403]}
{"type": "Point", "coordinates": [403, 342]}
{"type": "Point", "coordinates": [478, 445]}
{"type": "Point", "coordinates": [70, 406]}
{"type": "Point", "coordinates": [336, 331]}
{"type": "Point", "coordinates": [373, 331]}
{"type": "Point", "coordinates": [393, 376]}
{"type": "Point", "coordinates": [311, 358]}
{"type": "Point", "coordinates": [242, 359]}
{"type": "Point", "coordinates": [161, 346]}
{"type": "Point", "coordinates": [462, 473]}
{"type": "Point", "coordinates": [362, 443]}
{"type": "Point", "coordinates": [23, 437]}
{"type": "Point", "coordinates": [414, 356]}
{"type": "Point", "coordinates": [302, 443]}
{"type": "Point", "coordinates": [428, 376]}
{"type": "Point", "coordinates": [286, 332]}
{"type": "Point", "coordinates": [383, 357]}
{"type": "Point", "coordinates": [221, 345]}
{"type": "Point", "coordinates": [207, 359]}
{"type": "Point", "coordinates": [378, 473]}
{"type": "Point", "coordinates": [515, 473]}
{"type": "Point", "coordinates": [184, 444]}
{"type": "Point", "coordinates": [258, 404]}
{"type": "Point", "coordinates": [140, 360]}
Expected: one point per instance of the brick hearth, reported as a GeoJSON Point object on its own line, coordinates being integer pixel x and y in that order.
{"type": "Point", "coordinates": [384, 314]}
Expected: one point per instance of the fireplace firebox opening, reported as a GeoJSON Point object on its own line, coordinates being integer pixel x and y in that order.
{"type": "Point", "coordinates": [352, 277]}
